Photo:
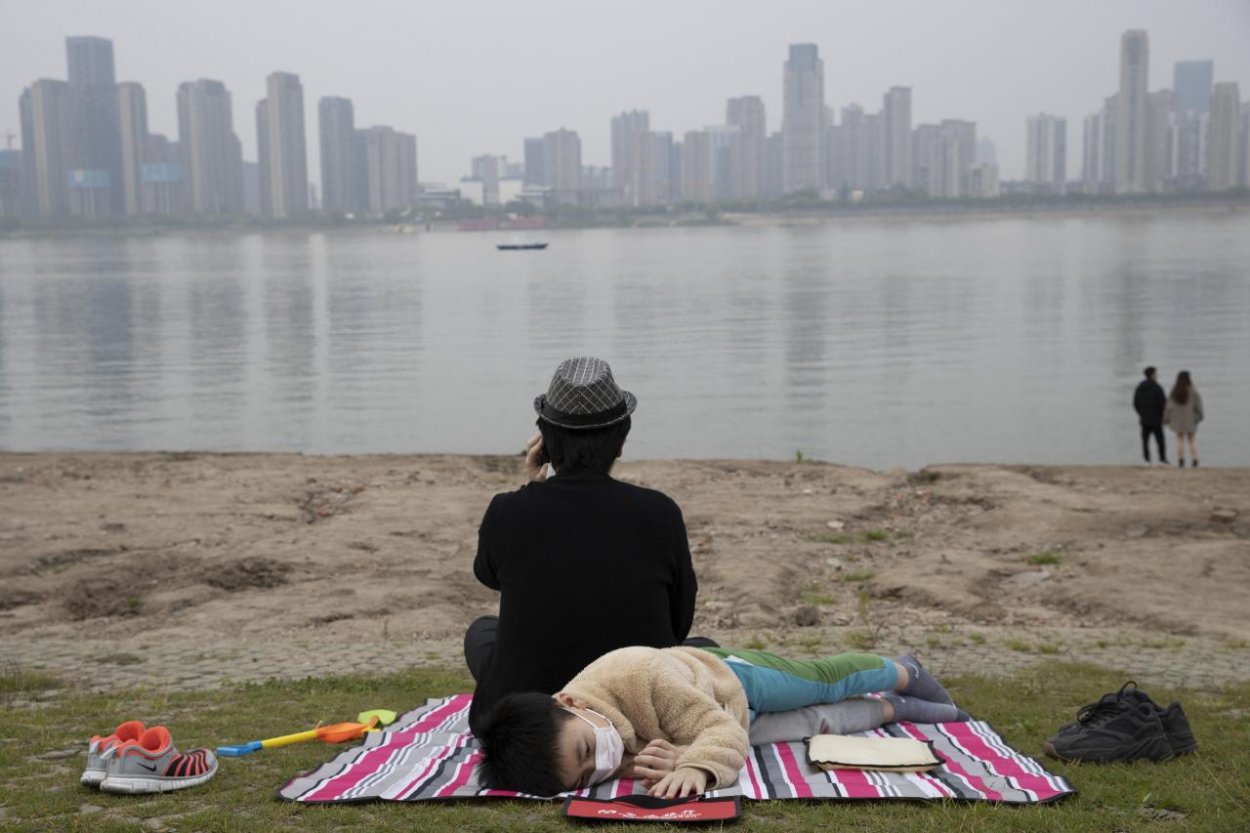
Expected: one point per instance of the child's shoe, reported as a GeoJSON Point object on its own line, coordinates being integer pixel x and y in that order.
{"type": "Point", "coordinates": [97, 765]}
{"type": "Point", "coordinates": [153, 765]}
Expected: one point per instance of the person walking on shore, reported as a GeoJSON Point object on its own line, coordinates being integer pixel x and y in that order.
{"type": "Point", "coordinates": [584, 564]}
{"type": "Point", "coordinates": [1182, 414]}
{"type": "Point", "coordinates": [1149, 401]}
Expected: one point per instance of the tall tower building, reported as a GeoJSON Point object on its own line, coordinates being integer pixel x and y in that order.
{"type": "Point", "coordinates": [337, 126]}
{"type": "Point", "coordinates": [958, 145]}
{"type": "Point", "coordinates": [132, 113]}
{"type": "Point", "coordinates": [1091, 154]}
{"type": "Point", "coordinates": [627, 131]}
{"type": "Point", "coordinates": [95, 172]}
{"type": "Point", "coordinates": [749, 154]}
{"type": "Point", "coordinates": [1191, 86]}
{"type": "Point", "coordinates": [390, 168]}
{"type": "Point", "coordinates": [1131, 126]}
{"type": "Point", "coordinates": [1160, 151]}
{"type": "Point", "coordinates": [1225, 137]}
{"type": "Point", "coordinates": [803, 119]}
{"type": "Point", "coordinates": [562, 160]}
{"type": "Point", "coordinates": [288, 158]}
{"type": "Point", "coordinates": [485, 169]}
{"type": "Point", "coordinates": [854, 149]}
{"type": "Point", "coordinates": [656, 177]}
{"type": "Point", "coordinates": [212, 157]}
{"type": "Point", "coordinates": [1047, 153]}
{"type": "Point", "coordinates": [535, 170]}
{"type": "Point", "coordinates": [48, 107]}
{"type": "Point", "coordinates": [896, 134]}
{"type": "Point", "coordinates": [927, 159]}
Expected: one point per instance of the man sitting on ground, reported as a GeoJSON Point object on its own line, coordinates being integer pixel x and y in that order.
{"type": "Point", "coordinates": [584, 563]}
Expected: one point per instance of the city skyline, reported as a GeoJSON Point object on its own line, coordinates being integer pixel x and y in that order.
{"type": "Point", "coordinates": [485, 95]}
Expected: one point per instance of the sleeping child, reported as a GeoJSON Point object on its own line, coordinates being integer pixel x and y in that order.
{"type": "Point", "coordinates": [678, 718]}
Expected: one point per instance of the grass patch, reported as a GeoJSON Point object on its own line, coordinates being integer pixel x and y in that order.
{"type": "Point", "coordinates": [858, 576]}
{"type": "Point", "coordinates": [39, 794]}
{"type": "Point", "coordinates": [868, 536]}
{"type": "Point", "coordinates": [1048, 557]}
{"type": "Point", "coordinates": [977, 637]}
{"type": "Point", "coordinates": [1018, 645]}
{"type": "Point", "coordinates": [830, 537]}
{"type": "Point", "coordinates": [15, 683]}
{"type": "Point", "coordinates": [755, 643]}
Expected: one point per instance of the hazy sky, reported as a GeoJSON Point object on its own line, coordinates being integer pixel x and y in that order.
{"type": "Point", "coordinates": [476, 77]}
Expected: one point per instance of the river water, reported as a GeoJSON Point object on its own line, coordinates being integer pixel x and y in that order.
{"type": "Point", "coordinates": [876, 342]}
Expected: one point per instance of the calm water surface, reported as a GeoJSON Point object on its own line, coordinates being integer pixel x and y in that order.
{"type": "Point", "coordinates": [873, 342]}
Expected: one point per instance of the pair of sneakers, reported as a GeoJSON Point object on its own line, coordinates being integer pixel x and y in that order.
{"type": "Point", "coordinates": [138, 759]}
{"type": "Point", "coordinates": [1124, 726]}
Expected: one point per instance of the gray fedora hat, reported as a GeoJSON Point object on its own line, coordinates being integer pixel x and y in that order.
{"type": "Point", "coordinates": [583, 395]}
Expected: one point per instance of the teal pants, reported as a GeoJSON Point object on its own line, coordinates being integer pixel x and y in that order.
{"type": "Point", "coordinates": [777, 684]}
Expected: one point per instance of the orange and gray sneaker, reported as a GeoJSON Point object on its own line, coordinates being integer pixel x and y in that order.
{"type": "Point", "coordinates": [97, 764]}
{"type": "Point", "coordinates": [152, 764]}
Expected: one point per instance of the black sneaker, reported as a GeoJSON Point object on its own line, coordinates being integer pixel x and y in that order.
{"type": "Point", "coordinates": [1124, 726]}
{"type": "Point", "coordinates": [1175, 724]}
{"type": "Point", "coordinates": [1176, 727]}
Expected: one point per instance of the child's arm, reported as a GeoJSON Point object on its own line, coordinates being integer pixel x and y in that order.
{"type": "Point", "coordinates": [714, 741]}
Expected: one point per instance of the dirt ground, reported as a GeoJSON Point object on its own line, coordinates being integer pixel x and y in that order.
{"type": "Point", "coordinates": [278, 547]}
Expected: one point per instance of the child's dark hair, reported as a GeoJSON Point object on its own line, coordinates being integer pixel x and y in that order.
{"type": "Point", "coordinates": [595, 449]}
{"type": "Point", "coordinates": [519, 741]}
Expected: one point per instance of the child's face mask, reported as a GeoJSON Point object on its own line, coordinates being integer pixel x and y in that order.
{"type": "Point", "coordinates": [609, 748]}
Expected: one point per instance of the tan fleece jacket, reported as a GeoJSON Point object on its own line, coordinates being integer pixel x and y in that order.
{"type": "Point", "coordinates": [683, 695]}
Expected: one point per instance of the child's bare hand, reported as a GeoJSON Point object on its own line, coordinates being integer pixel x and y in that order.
{"type": "Point", "coordinates": [535, 465]}
{"type": "Point", "coordinates": [656, 760]}
{"type": "Point", "coordinates": [680, 783]}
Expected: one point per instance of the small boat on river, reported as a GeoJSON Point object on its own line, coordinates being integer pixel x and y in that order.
{"type": "Point", "coordinates": [520, 247]}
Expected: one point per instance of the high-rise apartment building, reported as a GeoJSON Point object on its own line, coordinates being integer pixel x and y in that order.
{"type": "Point", "coordinates": [11, 166]}
{"type": "Point", "coordinates": [1191, 86]}
{"type": "Point", "coordinates": [627, 131]}
{"type": "Point", "coordinates": [535, 170]}
{"type": "Point", "coordinates": [562, 162]}
{"type": "Point", "coordinates": [212, 157]}
{"type": "Point", "coordinates": [262, 157]}
{"type": "Point", "coordinates": [1160, 141]}
{"type": "Point", "coordinates": [1245, 143]}
{"type": "Point", "coordinates": [287, 156]}
{"type": "Point", "coordinates": [697, 184]}
{"type": "Point", "coordinates": [161, 182]}
{"type": "Point", "coordinates": [854, 149]}
{"type": "Point", "coordinates": [132, 114]}
{"type": "Point", "coordinates": [485, 169]}
{"type": "Point", "coordinates": [958, 152]}
{"type": "Point", "coordinates": [1131, 118]}
{"type": "Point", "coordinates": [927, 159]}
{"type": "Point", "coordinates": [1046, 165]}
{"type": "Point", "coordinates": [1110, 116]}
{"type": "Point", "coordinates": [655, 176]}
{"type": "Point", "coordinates": [803, 120]}
{"type": "Point", "coordinates": [896, 138]}
{"type": "Point", "coordinates": [390, 169]}
{"type": "Point", "coordinates": [336, 124]}
{"type": "Point", "coordinates": [1223, 164]}
{"type": "Point", "coordinates": [749, 152]}
{"type": "Point", "coordinates": [873, 142]}
{"type": "Point", "coordinates": [95, 171]}
{"type": "Point", "coordinates": [1091, 155]}
{"type": "Point", "coordinates": [48, 106]}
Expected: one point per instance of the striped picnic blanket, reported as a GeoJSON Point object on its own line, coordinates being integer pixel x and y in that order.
{"type": "Point", "coordinates": [429, 754]}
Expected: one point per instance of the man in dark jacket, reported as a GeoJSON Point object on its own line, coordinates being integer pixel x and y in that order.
{"type": "Point", "coordinates": [584, 564]}
{"type": "Point", "coordinates": [1149, 401]}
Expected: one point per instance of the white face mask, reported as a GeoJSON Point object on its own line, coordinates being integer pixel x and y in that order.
{"type": "Point", "coordinates": [609, 747]}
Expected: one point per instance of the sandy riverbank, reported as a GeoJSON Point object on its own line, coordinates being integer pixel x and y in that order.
{"type": "Point", "coordinates": [272, 547]}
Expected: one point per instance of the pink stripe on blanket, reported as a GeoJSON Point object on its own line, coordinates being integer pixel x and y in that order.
{"type": "Point", "coordinates": [855, 783]}
{"type": "Point", "coordinates": [1005, 765]}
{"type": "Point", "coordinates": [795, 775]}
{"type": "Point", "coordinates": [953, 766]}
{"type": "Point", "coordinates": [463, 771]}
{"type": "Point", "coordinates": [380, 756]}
